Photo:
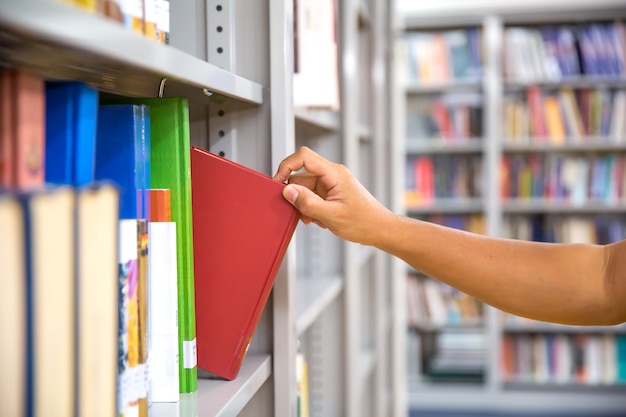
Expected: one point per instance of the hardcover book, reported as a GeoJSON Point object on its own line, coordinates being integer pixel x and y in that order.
{"type": "Point", "coordinates": [241, 230]}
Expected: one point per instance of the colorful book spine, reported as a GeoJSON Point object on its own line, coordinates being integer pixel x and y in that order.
{"type": "Point", "coordinates": [170, 169]}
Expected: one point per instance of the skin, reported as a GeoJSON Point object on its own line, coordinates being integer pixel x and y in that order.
{"type": "Point", "coordinates": [563, 283]}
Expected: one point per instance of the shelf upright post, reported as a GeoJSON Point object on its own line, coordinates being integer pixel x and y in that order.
{"type": "Point", "coordinates": [220, 51]}
{"type": "Point", "coordinates": [349, 97]}
{"type": "Point", "coordinates": [282, 144]}
{"type": "Point", "coordinates": [492, 84]}
{"type": "Point", "coordinates": [382, 284]}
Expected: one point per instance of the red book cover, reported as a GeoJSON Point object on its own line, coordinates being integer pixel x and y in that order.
{"type": "Point", "coordinates": [241, 230]}
{"type": "Point", "coordinates": [27, 126]}
{"type": "Point", "coordinates": [6, 129]}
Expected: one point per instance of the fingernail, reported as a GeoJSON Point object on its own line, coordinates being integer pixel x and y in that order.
{"type": "Point", "coordinates": [291, 194]}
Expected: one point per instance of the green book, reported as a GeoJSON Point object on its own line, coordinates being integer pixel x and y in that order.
{"type": "Point", "coordinates": [170, 168]}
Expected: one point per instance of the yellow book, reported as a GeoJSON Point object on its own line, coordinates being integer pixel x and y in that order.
{"type": "Point", "coordinates": [554, 121]}
{"type": "Point", "coordinates": [89, 5]}
{"type": "Point", "coordinates": [150, 21]}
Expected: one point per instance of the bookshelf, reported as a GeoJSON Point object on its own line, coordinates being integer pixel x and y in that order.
{"type": "Point", "coordinates": [234, 62]}
{"type": "Point", "coordinates": [502, 216]}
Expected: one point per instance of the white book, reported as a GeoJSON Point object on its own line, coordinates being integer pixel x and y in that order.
{"type": "Point", "coordinates": [163, 316]}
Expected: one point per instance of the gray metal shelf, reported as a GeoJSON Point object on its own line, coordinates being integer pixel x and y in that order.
{"type": "Point", "coordinates": [316, 122]}
{"type": "Point", "coordinates": [576, 82]}
{"type": "Point", "coordinates": [62, 42]}
{"type": "Point", "coordinates": [441, 146]}
{"type": "Point", "coordinates": [219, 398]}
{"type": "Point", "coordinates": [573, 145]}
{"type": "Point", "coordinates": [539, 205]}
{"type": "Point", "coordinates": [313, 296]}
{"type": "Point", "coordinates": [448, 87]}
{"type": "Point", "coordinates": [448, 206]}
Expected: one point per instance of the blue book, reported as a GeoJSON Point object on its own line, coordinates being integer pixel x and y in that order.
{"type": "Point", "coordinates": [123, 155]}
{"type": "Point", "coordinates": [71, 119]}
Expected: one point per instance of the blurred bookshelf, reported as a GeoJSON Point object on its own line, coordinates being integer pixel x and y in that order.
{"type": "Point", "coordinates": [512, 125]}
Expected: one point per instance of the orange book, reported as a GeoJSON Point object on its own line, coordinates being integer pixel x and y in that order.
{"type": "Point", "coordinates": [150, 19]}
{"type": "Point", "coordinates": [160, 206]}
{"type": "Point", "coordinates": [23, 129]}
{"type": "Point", "coordinates": [554, 121]}
{"type": "Point", "coordinates": [242, 226]}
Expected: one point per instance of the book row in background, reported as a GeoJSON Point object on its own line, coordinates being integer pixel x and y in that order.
{"type": "Point", "coordinates": [561, 358]}
{"type": "Point", "coordinates": [452, 118]}
{"type": "Point", "coordinates": [565, 116]}
{"type": "Point", "coordinates": [435, 58]}
{"type": "Point", "coordinates": [576, 179]}
{"type": "Point", "coordinates": [429, 178]}
{"type": "Point", "coordinates": [92, 319]}
{"type": "Point", "coordinates": [149, 18]}
{"type": "Point", "coordinates": [555, 52]}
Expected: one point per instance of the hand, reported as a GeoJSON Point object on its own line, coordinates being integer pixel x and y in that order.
{"type": "Point", "coordinates": [327, 194]}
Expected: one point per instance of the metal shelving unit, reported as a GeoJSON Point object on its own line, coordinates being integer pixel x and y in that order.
{"type": "Point", "coordinates": [238, 80]}
{"type": "Point", "coordinates": [494, 394]}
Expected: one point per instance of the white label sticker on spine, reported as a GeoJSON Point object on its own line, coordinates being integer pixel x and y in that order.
{"type": "Point", "coordinates": [189, 351]}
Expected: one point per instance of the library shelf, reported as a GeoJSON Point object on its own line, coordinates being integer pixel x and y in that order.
{"type": "Point", "coordinates": [448, 206]}
{"type": "Point", "coordinates": [541, 327]}
{"type": "Point", "coordinates": [313, 122]}
{"type": "Point", "coordinates": [314, 295]}
{"type": "Point", "coordinates": [217, 398]}
{"type": "Point", "coordinates": [576, 82]}
{"type": "Point", "coordinates": [446, 87]}
{"type": "Point", "coordinates": [467, 326]}
{"type": "Point", "coordinates": [541, 205]}
{"type": "Point", "coordinates": [442, 146]}
{"type": "Point", "coordinates": [62, 42]}
{"type": "Point", "coordinates": [573, 145]}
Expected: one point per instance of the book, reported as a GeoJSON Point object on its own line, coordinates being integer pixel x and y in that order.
{"type": "Point", "coordinates": [163, 21]}
{"type": "Point", "coordinates": [22, 141]}
{"type": "Point", "coordinates": [97, 300]}
{"type": "Point", "coordinates": [128, 334]}
{"type": "Point", "coordinates": [113, 10]}
{"type": "Point", "coordinates": [170, 169]}
{"type": "Point", "coordinates": [241, 230]}
{"type": "Point", "coordinates": [123, 154]}
{"type": "Point", "coordinates": [163, 352]}
{"type": "Point", "coordinates": [13, 308]}
{"type": "Point", "coordinates": [50, 279]}
{"type": "Point", "coordinates": [134, 16]}
{"type": "Point", "coordinates": [302, 384]}
{"type": "Point", "coordinates": [316, 78]}
{"type": "Point", "coordinates": [71, 121]}
{"type": "Point", "coordinates": [150, 13]}
{"type": "Point", "coordinates": [143, 305]}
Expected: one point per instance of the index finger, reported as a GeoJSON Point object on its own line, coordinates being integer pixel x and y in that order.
{"type": "Point", "coordinates": [302, 158]}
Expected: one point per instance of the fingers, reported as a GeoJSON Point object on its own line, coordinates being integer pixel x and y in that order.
{"type": "Point", "coordinates": [302, 158]}
{"type": "Point", "coordinates": [305, 179]}
{"type": "Point", "coordinates": [309, 204]}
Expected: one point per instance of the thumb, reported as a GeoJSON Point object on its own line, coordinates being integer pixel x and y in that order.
{"type": "Point", "coordinates": [305, 200]}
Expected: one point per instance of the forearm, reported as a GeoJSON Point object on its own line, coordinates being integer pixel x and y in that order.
{"type": "Point", "coordinates": [551, 282]}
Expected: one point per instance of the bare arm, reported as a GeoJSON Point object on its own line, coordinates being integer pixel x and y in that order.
{"type": "Point", "coordinates": [574, 284]}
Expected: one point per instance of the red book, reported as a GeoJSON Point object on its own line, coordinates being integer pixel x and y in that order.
{"type": "Point", "coordinates": [22, 136]}
{"type": "Point", "coordinates": [241, 229]}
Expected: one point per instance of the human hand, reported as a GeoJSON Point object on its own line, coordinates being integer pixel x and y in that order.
{"type": "Point", "coordinates": [327, 194]}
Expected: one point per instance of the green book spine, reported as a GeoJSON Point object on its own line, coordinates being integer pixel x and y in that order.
{"type": "Point", "coordinates": [170, 168]}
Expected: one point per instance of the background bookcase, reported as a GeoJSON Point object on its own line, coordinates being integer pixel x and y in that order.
{"type": "Point", "coordinates": [491, 387]}
{"type": "Point", "coordinates": [234, 61]}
